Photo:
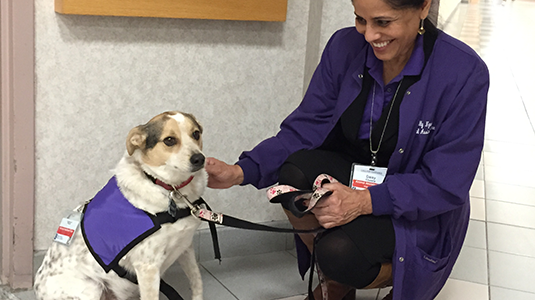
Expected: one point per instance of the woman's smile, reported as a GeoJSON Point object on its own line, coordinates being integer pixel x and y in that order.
{"type": "Point", "coordinates": [381, 44]}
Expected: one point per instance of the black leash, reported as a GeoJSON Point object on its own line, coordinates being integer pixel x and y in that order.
{"type": "Point", "coordinates": [230, 221]}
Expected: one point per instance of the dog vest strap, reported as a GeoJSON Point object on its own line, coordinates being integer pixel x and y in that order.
{"type": "Point", "coordinates": [169, 291]}
{"type": "Point", "coordinates": [166, 217]}
{"type": "Point", "coordinates": [165, 288]}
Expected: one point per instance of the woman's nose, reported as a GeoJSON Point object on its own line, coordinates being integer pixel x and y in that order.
{"type": "Point", "coordinates": [371, 34]}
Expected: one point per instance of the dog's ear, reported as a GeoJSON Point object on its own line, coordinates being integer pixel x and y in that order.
{"type": "Point", "coordinates": [136, 139]}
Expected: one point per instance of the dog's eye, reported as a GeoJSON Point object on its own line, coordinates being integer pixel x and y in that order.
{"type": "Point", "coordinates": [196, 135]}
{"type": "Point", "coordinates": [169, 141]}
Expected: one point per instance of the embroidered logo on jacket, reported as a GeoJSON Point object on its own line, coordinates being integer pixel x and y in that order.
{"type": "Point", "coordinates": [425, 128]}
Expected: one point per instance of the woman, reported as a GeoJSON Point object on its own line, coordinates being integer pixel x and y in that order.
{"type": "Point", "coordinates": [395, 93]}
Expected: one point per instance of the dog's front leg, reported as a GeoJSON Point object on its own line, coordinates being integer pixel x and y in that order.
{"type": "Point", "coordinates": [189, 264]}
{"type": "Point", "coordinates": [148, 277]}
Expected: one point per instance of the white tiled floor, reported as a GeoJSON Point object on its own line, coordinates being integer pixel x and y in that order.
{"type": "Point", "coordinates": [498, 259]}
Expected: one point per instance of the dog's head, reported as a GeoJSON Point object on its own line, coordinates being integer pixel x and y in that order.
{"type": "Point", "coordinates": [168, 147]}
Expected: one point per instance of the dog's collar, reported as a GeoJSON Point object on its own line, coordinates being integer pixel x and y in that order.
{"type": "Point", "coordinates": [167, 186]}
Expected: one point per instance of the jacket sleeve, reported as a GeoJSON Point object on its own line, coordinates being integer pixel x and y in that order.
{"type": "Point", "coordinates": [443, 176]}
{"type": "Point", "coordinates": [307, 126]}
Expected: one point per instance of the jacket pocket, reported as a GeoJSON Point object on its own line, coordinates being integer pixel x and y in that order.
{"type": "Point", "coordinates": [434, 263]}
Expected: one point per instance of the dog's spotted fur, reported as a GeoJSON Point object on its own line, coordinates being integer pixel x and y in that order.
{"type": "Point", "coordinates": [71, 272]}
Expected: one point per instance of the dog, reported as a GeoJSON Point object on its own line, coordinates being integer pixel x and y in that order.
{"type": "Point", "coordinates": [165, 152]}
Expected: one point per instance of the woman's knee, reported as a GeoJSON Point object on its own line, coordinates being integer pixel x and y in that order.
{"type": "Point", "coordinates": [341, 260]}
{"type": "Point", "coordinates": [291, 174]}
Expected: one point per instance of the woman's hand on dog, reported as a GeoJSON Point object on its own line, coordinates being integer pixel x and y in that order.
{"type": "Point", "coordinates": [222, 175]}
{"type": "Point", "coordinates": [342, 206]}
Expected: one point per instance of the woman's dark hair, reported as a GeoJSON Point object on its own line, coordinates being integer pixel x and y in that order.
{"type": "Point", "coordinates": [402, 4]}
{"type": "Point", "coordinates": [405, 4]}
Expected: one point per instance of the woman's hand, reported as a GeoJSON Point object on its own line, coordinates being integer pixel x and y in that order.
{"type": "Point", "coordinates": [342, 206]}
{"type": "Point", "coordinates": [222, 175]}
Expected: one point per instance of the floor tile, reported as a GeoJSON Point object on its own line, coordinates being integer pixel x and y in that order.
{"type": "Point", "coordinates": [478, 189]}
{"type": "Point", "coordinates": [471, 266]}
{"type": "Point", "coordinates": [476, 236]}
{"type": "Point", "coordinates": [510, 193]}
{"type": "Point", "coordinates": [267, 276]}
{"type": "Point", "coordinates": [513, 149]}
{"type": "Point", "coordinates": [383, 293]}
{"type": "Point", "coordinates": [480, 174]}
{"type": "Point", "coordinates": [361, 295]}
{"type": "Point", "coordinates": [212, 288]}
{"type": "Point", "coordinates": [234, 242]}
{"type": "Point", "coordinates": [477, 209]}
{"type": "Point", "coordinates": [513, 175]}
{"type": "Point", "coordinates": [24, 295]}
{"type": "Point", "coordinates": [511, 239]}
{"type": "Point", "coordinates": [299, 297]}
{"type": "Point", "coordinates": [512, 271]}
{"type": "Point", "coordinates": [511, 214]}
{"type": "Point", "coordinates": [497, 293]}
{"type": "Point", "coordinates": [463, 290]}
{"type": "Point", "coordinates": [508, 159]}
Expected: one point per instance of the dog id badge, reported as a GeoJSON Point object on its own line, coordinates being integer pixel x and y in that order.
{"type": "Point", "coordinates": [362, 177]}
{"type": "Point", "coordinates": [68, 227]}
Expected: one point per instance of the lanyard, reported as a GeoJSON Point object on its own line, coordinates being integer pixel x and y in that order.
{"type": "Point", "coordinates": [374, 152]}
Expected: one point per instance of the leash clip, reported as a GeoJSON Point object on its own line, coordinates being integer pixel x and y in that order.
{"type": "Point", "coordinates": [194, 209]}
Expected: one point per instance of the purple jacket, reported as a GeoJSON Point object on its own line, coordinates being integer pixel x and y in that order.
{"type": "Point", "coordinates": [441, 133]}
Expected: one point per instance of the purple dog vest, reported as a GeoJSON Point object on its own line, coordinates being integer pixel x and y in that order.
{"type": "Point", "coordinates": [112, 226]}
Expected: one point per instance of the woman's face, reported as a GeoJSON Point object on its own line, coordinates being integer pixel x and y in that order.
{"type": "Point", "coordinates": [391, 32]}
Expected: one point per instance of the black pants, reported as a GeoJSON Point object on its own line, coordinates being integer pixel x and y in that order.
{"type": "Point", "coordinates": [351, 254]}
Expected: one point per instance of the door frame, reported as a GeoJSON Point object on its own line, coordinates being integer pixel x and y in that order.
{"type": "Point", "coordinates": [17, 141]}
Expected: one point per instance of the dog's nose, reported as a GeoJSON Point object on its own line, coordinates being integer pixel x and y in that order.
{"type": "Point", "coordinates": [197, 160]}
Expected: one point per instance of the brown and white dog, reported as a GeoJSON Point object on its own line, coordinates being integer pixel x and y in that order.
{"type": "Point", "coordinates": [169, 149]}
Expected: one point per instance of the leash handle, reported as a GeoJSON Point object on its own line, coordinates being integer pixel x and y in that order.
{"type": "Point", "coordinates": [293, 199]}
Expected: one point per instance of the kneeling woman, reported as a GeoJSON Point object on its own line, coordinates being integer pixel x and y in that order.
{"type": "Point", "coordinates": [396, 96]}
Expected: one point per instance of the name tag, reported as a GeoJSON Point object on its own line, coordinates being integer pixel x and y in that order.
{"type": "Point", "coordinates": [362, 177]}
{"type": "Point", "coordinates": [68, 227]}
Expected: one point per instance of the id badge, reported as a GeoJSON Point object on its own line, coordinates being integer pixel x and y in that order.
{"type": "Point", "coordinates": [362, 177]}
{"type": "Point", "coordinates": [68, 227]}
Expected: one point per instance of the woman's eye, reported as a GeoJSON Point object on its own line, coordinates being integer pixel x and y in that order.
{"type": "Point", "coordinates": [382, 23]}
{"type": "Point", "coordinates": [360, 20]}
{"type": "Point", "coordinates": [170, 141]}
{"type": "Point", "coordinates": [196, 135]}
